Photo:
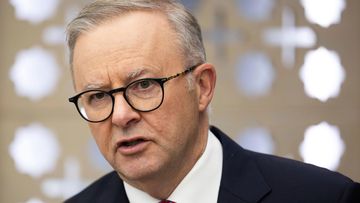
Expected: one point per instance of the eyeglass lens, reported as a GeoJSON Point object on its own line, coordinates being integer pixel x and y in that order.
{"type": "Point", "coordinates": [142, 95]}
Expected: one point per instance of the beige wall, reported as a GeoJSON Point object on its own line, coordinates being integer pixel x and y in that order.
{"type": "Point", "coordinates": [286, 111]}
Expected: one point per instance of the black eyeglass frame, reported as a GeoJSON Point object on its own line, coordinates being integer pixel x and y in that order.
{"type": "Point", "coordinates": [160, 81]}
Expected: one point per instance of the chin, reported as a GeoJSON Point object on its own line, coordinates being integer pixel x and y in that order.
{"type": "Point", "coordinates": [137, 171]}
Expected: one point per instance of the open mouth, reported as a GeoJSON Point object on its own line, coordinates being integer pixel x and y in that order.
{"type": "Point", "coordinates": [132, 146]}
{"type": "Point", "coordinates": [131, 143]}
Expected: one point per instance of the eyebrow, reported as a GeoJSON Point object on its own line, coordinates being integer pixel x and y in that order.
{"type": "Point", "coordinates": [137, 73]}
{"type": "Point", "coordinates": [131, 76]}
{"type": "Point", "coordinates": [93, 86]}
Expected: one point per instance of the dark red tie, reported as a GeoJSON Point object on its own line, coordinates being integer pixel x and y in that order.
{"type": "Point", "coordinates": [166, 201]}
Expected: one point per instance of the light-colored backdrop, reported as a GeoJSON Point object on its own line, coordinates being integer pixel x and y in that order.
{"type": "Point", "coordinates": [282, 114]}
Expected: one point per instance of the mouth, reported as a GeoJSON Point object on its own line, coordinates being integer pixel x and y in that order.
{"type": "Point", "coordinates": [130, 143]}
{"type": "Point", "coordinates": [132, 146]}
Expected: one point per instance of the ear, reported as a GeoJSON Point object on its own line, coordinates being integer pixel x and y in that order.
{"type": "Point", "coordinates": [205, 82]}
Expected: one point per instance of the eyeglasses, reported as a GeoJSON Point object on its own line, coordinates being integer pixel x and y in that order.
{"type": "Point", "coordinates": [142, 95]}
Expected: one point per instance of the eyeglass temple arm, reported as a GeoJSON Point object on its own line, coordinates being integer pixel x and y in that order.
{"type": "Point", "coordinates": [182, 73]}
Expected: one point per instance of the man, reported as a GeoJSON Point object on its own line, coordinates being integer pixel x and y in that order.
{"type": "Point", "coordinates": [144, 87]}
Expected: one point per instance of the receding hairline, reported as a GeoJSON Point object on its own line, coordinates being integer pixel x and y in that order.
{"type": "Point", "coordinates": [184, 25]}
{"type": "Point", "coordinates": [158, 21]}
{"type": "Point", "coordinates": [108, 19]}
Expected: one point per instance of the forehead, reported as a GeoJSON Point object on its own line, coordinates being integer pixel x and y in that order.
{"type": "Point", "coordinates": [133, 40]}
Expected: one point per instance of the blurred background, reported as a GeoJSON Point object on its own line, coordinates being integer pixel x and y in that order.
{"type": "Point", "coordinates": [288, 84]}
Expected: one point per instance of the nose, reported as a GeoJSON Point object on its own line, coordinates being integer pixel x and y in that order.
{"type": "Point", "coordinates": [123, 115]}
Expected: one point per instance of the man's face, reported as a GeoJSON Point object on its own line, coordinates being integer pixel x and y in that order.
{"type": "Point", "coordinates": [140, 146]}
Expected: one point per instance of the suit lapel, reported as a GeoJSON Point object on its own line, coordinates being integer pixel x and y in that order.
{"type": "Point", "coordinates": [241, 179]}
{"type": "Point", "coordinates": [115, 191]}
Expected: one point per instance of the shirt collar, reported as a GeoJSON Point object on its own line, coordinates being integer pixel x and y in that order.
{"type": "Point", "coordinates": [201, 184]}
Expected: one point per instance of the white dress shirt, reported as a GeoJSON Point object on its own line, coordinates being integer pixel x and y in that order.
{"type": "Point", "coordinates": [201, 184]}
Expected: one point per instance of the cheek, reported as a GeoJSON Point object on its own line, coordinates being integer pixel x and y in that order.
{"type": "Point", "coordinates": [102, 136]}
{"type": "Point", "coordinates": [179, 101]}
{"type": "Point", "coordinates": [173, 119]}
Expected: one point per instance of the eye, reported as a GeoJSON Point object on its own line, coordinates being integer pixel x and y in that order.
{"type": "Point", "coordinates": [96, 97]}
{"type": "Point", "coordinates": [145, 88]}
{"type": "Point", "coordinates": [143, 85]}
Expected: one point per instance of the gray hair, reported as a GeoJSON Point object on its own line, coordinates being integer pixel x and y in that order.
{"type": "Point", "coordinates": [180, 19]}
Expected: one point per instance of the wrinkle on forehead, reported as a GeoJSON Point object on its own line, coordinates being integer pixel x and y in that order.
{"type": "Point", "coordinates": [110, 53]}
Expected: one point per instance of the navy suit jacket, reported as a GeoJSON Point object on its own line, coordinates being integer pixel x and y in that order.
{"type": "Point", "coordinates": [250, 177]}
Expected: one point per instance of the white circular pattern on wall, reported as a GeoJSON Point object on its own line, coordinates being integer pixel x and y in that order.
{"type": "Point", "coordinates": [254, 74]}
{"type": "Point", "coordinates": [322, 146]}
{"type": "Point", "coordinates": [34, 11]}
{"type": "Point", "coordinates": [322, 74]}
{"type": "Point", "coordinates": [256, 139]}
{"type": "Point", "coordinates": [34, 200]}
{"type": "Point", "coordinates": [256, 10]}
{"type": "Point", "coordinates": [35, 73]}
{"type": "Point", "coordinates": [315, 12]}
{"type": "Point", "coordinates": [54, 35]}
{"type": "Point", "coordinates": [35, 150]}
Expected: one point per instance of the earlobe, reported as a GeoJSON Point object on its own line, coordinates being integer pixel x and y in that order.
{"type": "Point", "coordinates": [206, 81]}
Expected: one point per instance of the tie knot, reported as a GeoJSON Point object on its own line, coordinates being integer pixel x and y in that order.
{"type": "Point", "coordinates": [166, 201]}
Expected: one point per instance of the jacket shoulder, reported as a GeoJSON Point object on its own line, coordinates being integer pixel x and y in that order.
{"type": "Point", "coordinates": [278, 179]}
{"type": "Point", "coordinates": [305, 181]}
{"type": "Point", "coordinates": [289, 170]}
{"type": "Point", "coordinates": [108, 188]}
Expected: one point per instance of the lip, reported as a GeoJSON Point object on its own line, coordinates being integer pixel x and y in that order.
{"type": "Point", "coordinates": [132, 146]}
